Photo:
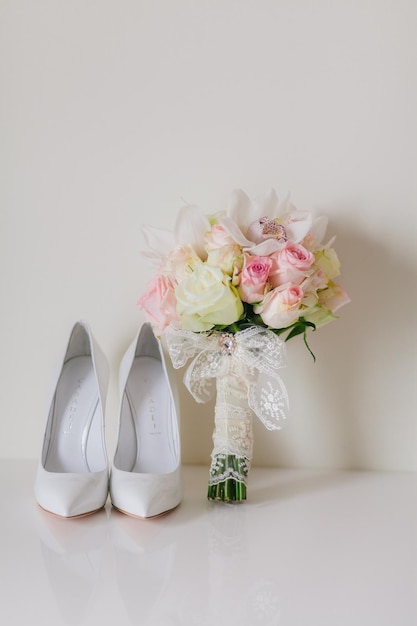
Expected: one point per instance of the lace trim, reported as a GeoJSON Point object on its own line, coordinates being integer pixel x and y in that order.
{"type": "Point", "coordinates": [223, 468]}
{"type": "Point", "coordinates": [233, 436]}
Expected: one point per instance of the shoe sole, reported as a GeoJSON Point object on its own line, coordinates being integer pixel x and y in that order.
{"type": "Point", "coordinates": [145, 518]}
{"type": "Point", "coordinates": [71, 516]}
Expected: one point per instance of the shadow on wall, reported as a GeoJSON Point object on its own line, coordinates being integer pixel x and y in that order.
{"type": "Point", "coordinates": [356, 407]}
{"type": "Point", "coordinates": [379, 350]}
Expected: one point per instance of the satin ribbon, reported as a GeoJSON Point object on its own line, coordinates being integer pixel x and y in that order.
{"type": "Point", "coordinates": [255, 353]}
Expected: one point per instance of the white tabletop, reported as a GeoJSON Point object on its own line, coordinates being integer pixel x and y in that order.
{"type": "Point", "coordinates": [308, 548]}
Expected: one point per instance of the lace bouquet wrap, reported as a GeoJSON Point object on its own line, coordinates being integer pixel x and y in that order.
{"type": "Point", "coordinates": [242, 370]}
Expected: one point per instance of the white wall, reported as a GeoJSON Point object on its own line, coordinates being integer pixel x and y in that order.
{"type": "Point", "coordinates": [112, 111]}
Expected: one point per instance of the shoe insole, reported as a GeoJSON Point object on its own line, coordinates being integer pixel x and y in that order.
{"type": "Point", "coordinates": [76, 405]}
{"type": "Point", "coordinates": [151, 410]}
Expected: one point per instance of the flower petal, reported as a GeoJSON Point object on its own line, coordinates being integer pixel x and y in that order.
{"type": "Point", "coordinates": [234, 231]}
{"type": "Point", "coordinates": [190, 228]}
{"type": "Point", "coordinates": [318, 229]}
{"type": "Point", "coordinates": [284, 207]}
{"type": "Point", "coordinates": [298, 225]}
{"type": "Point", "coordinates": [267, 204]}
{"type": "Point", "coordinates": [153, 259]}
{"type": "Point", "coordinates": [159, 240]}
{"type": "Point", "coordinates": [242, 210]}
{"type": "Point", "coordinates": [266, 247]}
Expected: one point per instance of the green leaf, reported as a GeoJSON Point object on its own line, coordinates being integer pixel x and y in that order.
{"type": "Point", "coordinates": [296, 330]}
{"type": "Point", "coordinates": [300, 327]}
{"type": "Point", "coordinates": [308, 347]}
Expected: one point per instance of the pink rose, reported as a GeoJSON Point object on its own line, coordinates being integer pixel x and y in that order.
{"type": "Point", "coordinates": [281, 306]}
{"type": "Point", "coordinates": [254, 278]}
{"type": "Point", "coordinates": [291, 264]}
{"type": "Point", "coordinates": [316, 280]}
{"type": "Point", "coordinates": [159, 303]}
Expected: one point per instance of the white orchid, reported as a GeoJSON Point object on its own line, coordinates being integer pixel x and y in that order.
{"type": "Point", "coordinates": [264, 225]}
{"type": "Point", "coordinates": [190, 227]}
{"type": "Point", "coordinates": [260, 226]}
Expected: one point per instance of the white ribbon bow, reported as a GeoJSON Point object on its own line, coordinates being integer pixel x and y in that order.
{"type": "Point", "coordinates": [257, 355]}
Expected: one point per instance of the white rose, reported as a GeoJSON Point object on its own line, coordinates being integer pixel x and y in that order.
{"type": "Point", "coordinates": [206, 299]}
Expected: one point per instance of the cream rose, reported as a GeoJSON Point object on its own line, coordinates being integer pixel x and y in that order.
{"type": "Point", "coordinates": [217, 237]}
{"type": "Point", "coordinates": [328, 262]}
{"type": "Point", "coordinates": [181, 262]}
{"type": "Point", "coordinates": [206, 299]}
{"type": "Point", "coordinates": [227, 258]}
{"type": "Point", "coordinates": [281, 306]}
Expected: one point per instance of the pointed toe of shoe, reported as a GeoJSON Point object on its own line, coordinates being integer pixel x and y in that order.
{"type": "Point", "coordinates": [71, 494]}
{"type": "Point", "coordinates": [145, 495]}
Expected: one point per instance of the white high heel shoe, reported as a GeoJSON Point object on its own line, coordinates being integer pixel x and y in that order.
{"type": "Point", "coordinates": [72, 476]}
{"type": "Point", "coordinates": [145, 478]}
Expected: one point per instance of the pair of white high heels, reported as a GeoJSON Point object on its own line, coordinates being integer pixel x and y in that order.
{"type": "Point", "coordinates": [145, 480]}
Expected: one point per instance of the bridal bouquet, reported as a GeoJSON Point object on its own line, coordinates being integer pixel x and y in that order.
{"type": "Point", "coordinates": [227, 286]}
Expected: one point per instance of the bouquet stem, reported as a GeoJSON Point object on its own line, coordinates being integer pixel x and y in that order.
{"type": "Point", "coordinates": [232, 439]}
{"type": "Point", "coordinates": [229, 489]}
